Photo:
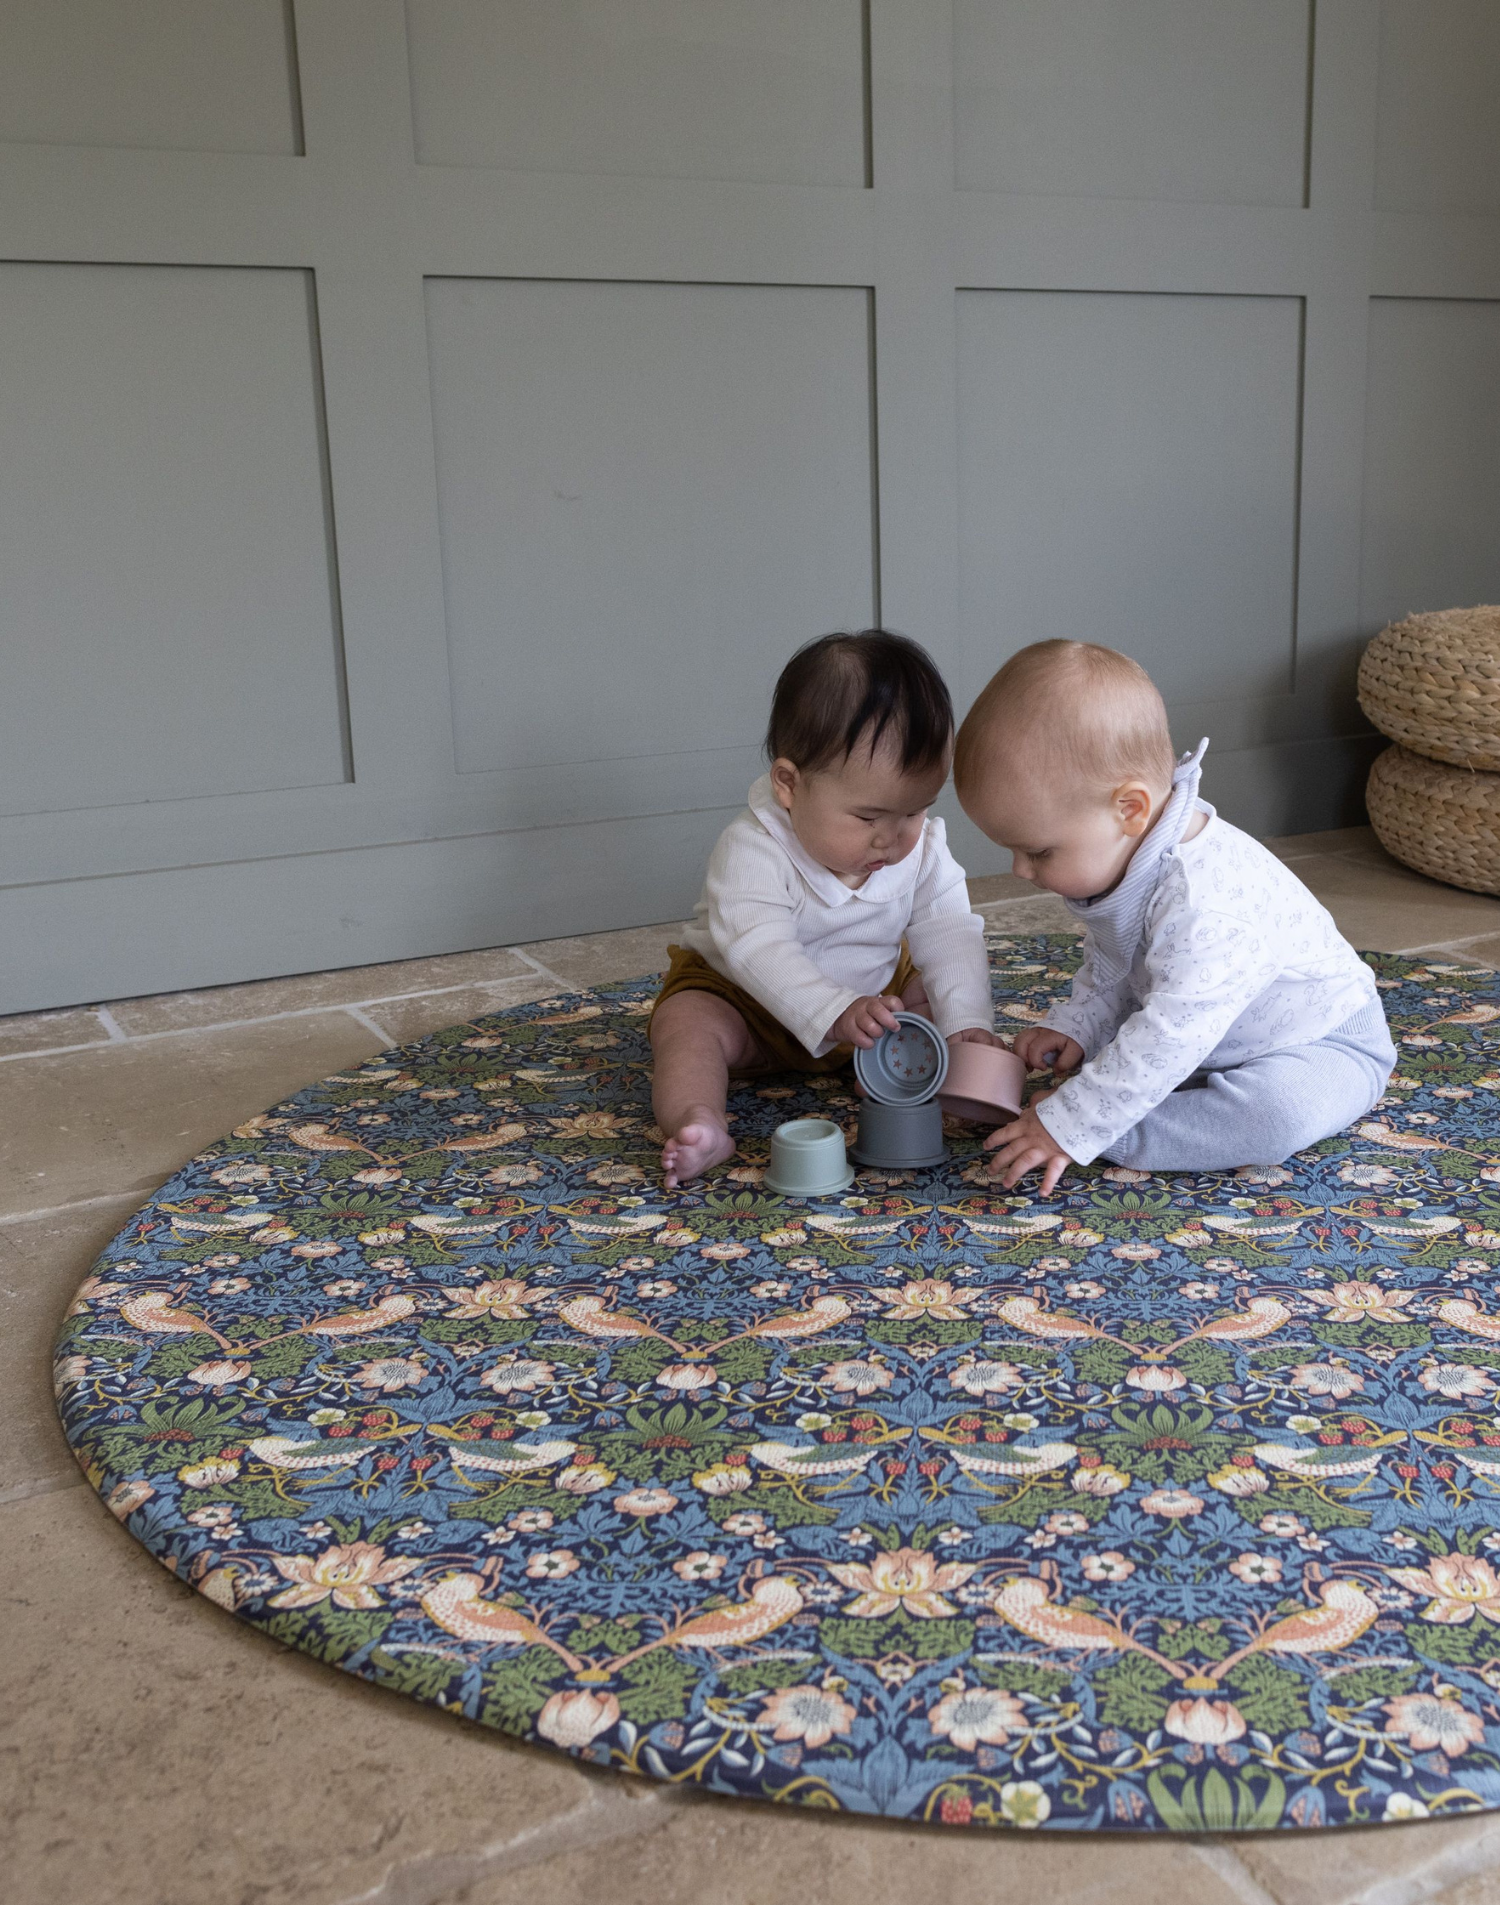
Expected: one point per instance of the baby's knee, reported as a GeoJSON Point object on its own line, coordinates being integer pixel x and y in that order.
{"type": "Point", "coordinates": [700, 1018]}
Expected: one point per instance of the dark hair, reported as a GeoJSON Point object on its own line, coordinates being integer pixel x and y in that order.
{"type": "Point", "coordinates": [846, 691]}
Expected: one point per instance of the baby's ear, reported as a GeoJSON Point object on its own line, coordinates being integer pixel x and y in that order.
{"type": "Point", "coordinates": [1133, 803]}
{"type": "Point", "coordinates": [785, 776]}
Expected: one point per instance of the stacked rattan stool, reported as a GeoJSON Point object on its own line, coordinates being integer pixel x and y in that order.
{"type": "Point", "coordinates": [1432, 683]}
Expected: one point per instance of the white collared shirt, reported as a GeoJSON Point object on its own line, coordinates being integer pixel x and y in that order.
{"type": "Point", "coordinates": [790, 932]}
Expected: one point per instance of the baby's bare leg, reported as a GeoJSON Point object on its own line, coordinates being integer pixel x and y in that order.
{"type": "Point", "coordinates": [697, 1039]}
{"type": "Point", "coordinates": [915, 999]}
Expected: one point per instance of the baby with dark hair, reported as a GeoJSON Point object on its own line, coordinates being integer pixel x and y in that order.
{"type": "Point", "coordinates": [830, 903]}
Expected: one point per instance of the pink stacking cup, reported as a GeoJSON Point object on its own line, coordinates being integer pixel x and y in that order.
{"type": "Point", "coordinates": [983, 1084]}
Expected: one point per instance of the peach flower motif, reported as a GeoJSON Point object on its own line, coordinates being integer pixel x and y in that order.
{"type": "Point", "coordinates": [1108, 1566]}
{"type": "Point", "coordinates": [506, 1298]}
{"type": "Point", "coordinates": [645, 1501]}
{"type": "Point", "coordinates": [700, 1566]}
{"type": "Point", "coordinates": [855, 1378]}
{"type": "Point", "coordinates": [1205, 1722]}
{"type": "Point", "coordinates": [575, 1718]}
{"type": "Point", "coordinates": [1363, 1303]}
{"type": "Point", "coordinates": [1173, 1503]}
{"type": "Point", "coordinates": [1455, 1380]}
{"type": "Point", "coordinates": [974, 1716]}
{"type": "Point", "coordinates": [518, 1372]}
{"type": "Point", "coordinates": [125, 1497]}
{"type": "Point", "coordinates": [387, 1373]}
{"type": "Point", "coordinates": [1430, 1724]}
{"type": "Point", "coordinates": [1460, 1586]}
{"type": "Point", "coordinates": [221, 1372]}
{"type": "Point", "coordinates": [1326, 1379]}
{"type": "Point", "coordinates": [807, 1713]}
{"type": "Point", "coordinates": [985, 1377]}
{"type": "Point", "coordinates": [1155, 1378]}
{"type": "Point", "coordinates": [555, 1564]}
{"type": "Point", "coordinates": [687, 1378]}
{"type": "Point", "coordinates": [925, 1297]}
{"type": "Point", "coordinates": [901, 1578]}
{"type": "Point", "coordinates": [1256, 1570]}
{"type": "Point", "coordinates": [349, 1572]}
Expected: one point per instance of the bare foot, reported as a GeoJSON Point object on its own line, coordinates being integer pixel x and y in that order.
{"type": "Point", "coordinates": [696, 1147]}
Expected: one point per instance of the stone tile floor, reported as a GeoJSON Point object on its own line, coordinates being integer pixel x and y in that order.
{"type": "Point", "coordinates": [153, 1752]}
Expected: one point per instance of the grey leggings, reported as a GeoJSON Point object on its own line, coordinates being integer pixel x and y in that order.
{"type": "Point", "coordinates": [1264, 1110]}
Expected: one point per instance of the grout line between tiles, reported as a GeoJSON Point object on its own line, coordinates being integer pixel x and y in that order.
{"type": "Point", "coordinates": [1443, 1870]}
{"type": "Point", "coordinates": [361, 1017]}
{"type": "Point", "coordinates": [598, 1819]}
{"type": "Point", "coordinates": [110, 1023]}
{"type": "Point", "coordinates": [292, 1012]}
{"type": "Point", "coordinates": [1227, 1865]}
{"type": "Point", "coordinates": [546, 971]}
{"type": "Point", "coordinates": [76, 1203]}
{"type": "Point", "coordinates": [26, 1491]}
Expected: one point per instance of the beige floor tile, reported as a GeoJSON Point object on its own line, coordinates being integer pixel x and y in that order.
{"type": "Point", "coordinates": [1341, 840]}
{"type": "Point", "coordinates": [1483, 1889]}
{"type": "Point", "coordinates": [123, 1117]}
{"type": "Point", "coordinates": [1041, 913]}
{"type": "Point", "coordinates": [157, 1752]}
{"type": "Point", "coordinates": [1382, 907]}
{"type": "Point", "coordinates": [1483, 952]}
{"type": "Point", "coordinates": [413, 1018]}
{"type": "Point", "coordinates": [220, 1005]}
{"type": "Point", "coordinates": [724, 1852]}
{"type": "Point", "coordinates": [985, 888]}
{"type": "Point", "coordinates": [1391, 1864]}
{"type": "Point", "coordinates": [594, 959]}
{"type": "Point", "coordinates": [42, 1262]}
{"type": "Point", "coordinates": [42, 1031]}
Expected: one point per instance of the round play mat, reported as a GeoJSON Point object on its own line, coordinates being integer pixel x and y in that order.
{"type": "Point", "coordinates": [1168, 1502]}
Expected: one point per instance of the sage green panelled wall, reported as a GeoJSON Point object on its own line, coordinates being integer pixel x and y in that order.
{"type": "Point", "coordinates": [428, 425]}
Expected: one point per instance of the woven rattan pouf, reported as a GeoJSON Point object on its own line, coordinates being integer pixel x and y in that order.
{"type": "Point", "coordinates": [1444, 821]}
{"type": "Point", "coordinates": [1432, 683]}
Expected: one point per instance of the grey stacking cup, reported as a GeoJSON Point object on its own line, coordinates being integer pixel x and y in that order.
{"type": "Point", "coordinates": [807, 1159]}
{"type": "Point", "coordinates": [900, 1137]}
{"type": "Point", "coordinates": [906, 1066]}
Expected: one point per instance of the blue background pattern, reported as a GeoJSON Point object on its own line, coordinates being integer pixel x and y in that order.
{"type": "Point", "coordinates": [1166, 1503]}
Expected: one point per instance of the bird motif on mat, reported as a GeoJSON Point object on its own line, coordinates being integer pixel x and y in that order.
{"type": "Point", "coordinates": [390, 1309]}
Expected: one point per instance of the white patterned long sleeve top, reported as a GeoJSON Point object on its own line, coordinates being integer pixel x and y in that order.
{"type": "Point", "coordinates": [1233, 959]}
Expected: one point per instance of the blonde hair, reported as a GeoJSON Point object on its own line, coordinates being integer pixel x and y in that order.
{"type": "Point", "coordinates": [1093, 711]}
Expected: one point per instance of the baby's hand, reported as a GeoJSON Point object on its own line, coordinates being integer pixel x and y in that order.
{"type": "Point", "coordinates": [863, 1022]}
{"type": "Point", "coordinates": [1040, 1048]}
{"type": "Point", "coordinates": [1027, 1145]}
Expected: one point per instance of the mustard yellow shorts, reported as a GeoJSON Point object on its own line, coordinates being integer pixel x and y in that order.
{"type": "Point", "coordinates": [690, 972]}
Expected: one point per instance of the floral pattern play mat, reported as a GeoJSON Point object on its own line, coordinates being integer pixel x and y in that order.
{"type": "Point", "coordinates": [1166, 1503]}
